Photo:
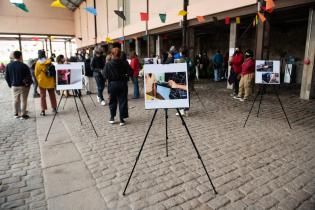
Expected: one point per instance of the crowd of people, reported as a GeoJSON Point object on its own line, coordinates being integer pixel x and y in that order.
{"type": "Point", "coordinates": [114, 70]}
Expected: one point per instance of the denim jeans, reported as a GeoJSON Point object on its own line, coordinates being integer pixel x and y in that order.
{"type": "Point", "coordinates": [100, 83]}
{"type": "Point", "coordinates": [135, 87]}
{"type": "Point", "coordinates": [216, 74]}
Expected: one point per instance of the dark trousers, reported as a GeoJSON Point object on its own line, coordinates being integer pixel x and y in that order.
{"type": "Point", "coordinates": [100, 83]}
{"type": "Point", "coordinates": [35, 84]}
{"type": "Point", "coordinates": [135, 87]}
{"type": "Point", "coordinates": [118, 91]}
{"type": "Point", "coordinates": [236, 86]}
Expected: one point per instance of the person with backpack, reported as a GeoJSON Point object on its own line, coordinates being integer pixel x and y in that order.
{"type": "Point", "coordinates": [45, 74]}
{"type": "Point", "coordinates": [135, 65]}
{"type": "Point", "coordinates": [18, 77]}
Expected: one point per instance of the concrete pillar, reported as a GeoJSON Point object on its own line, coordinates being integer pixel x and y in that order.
{"type": "Point", "coordinates": [308, 78]}
{"type": "Point", "coordinates": [263, 39]}
{"type": "Point", "coordinates": [138, 47]}
{"type": "Point", "coordinates": [232, 45]}
{"type": "Point", "coordinates": [159, 45]}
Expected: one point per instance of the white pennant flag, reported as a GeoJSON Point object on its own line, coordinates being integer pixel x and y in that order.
{"type": "Point", "coordinates": [16, 1]}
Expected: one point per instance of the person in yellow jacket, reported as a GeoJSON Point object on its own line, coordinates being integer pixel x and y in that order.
{"type": "Point", "coordinates": [45, 83]}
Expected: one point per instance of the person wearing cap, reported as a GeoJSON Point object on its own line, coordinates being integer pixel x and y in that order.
{"type": "Point", "coordinates": [45, 83]}
{"type": "Point", "coordinates": [247, 76]}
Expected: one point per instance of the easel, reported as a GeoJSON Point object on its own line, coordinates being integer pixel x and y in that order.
{"type": "Point", "coordinates": [80, 99]}
{"type": "Point", "coordinates": [261, 92]}
{"type": "Point", "coordinates": [191, 139]}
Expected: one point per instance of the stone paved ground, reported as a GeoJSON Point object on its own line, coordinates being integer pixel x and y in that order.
{"type": "Point", "coordinates": [21, 178]}
{"type": "Point", "coordinates": [263, 166]}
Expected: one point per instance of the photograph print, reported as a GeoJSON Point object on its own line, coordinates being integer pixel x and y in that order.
{"type": "Point", "coordinates": [166, 86]}
{"type": "Point", "coordinates": [69, 76]}
{"type": "Point", "coordinates": [267, 72]}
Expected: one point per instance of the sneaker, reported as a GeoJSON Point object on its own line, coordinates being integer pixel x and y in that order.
{"type": "Point", "coordinates": [55, 111]}
{"type": "Point", "coordinates": [103, 103]}
{"type": "Point", "coordinates": [241, 99]}
{"type": "Point", "coordinates": [237, 97]}
{"type": "Point", "coordinates": [42, 113]}
{"type": "Point", "coordinates": [111, 121]}
{"type": "Point", "coordinates": [16, 116]}
{"type": "Point", "coordinates": [98, 99]}
{"type": "Point", "coordinates": [88, 93]}
{"type": "Point", "coordinates": [24, 117]}
{"type": "Point", "coordinates": [122, 123]}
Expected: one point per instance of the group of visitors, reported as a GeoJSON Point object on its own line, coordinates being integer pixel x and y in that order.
{"type": "Point", "coordinates": [242, 74]}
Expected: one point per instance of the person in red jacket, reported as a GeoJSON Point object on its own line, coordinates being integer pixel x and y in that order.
{"type": "Point", "coordinates": [248, 75]}
{"type": "Point", "coordinates": [135, 65]}
{"type": "Point", "coordinates": [236, 68]}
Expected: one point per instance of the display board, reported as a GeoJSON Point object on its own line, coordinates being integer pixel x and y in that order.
{"type": "Point", "coordinates": [166, 86]}
{"type": "Point", "coordinates": [267, 72]}
{"type": "Point", "coordinates": [69, 76]}
{"type": "Point", "coordinates": [150, 61]}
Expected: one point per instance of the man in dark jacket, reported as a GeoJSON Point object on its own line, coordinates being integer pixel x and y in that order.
{"type": "Point", "coordinates": [97, 64]}
{"type": "Point", "coordinates": [116, 72]}
{"type": "Point", "coordinates": [18, 76]}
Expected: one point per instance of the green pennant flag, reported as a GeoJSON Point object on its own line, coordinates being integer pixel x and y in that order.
{"type": "Point", "coordinates": [22, 6]}
{"type": "Point", "coordinates": [162, 17]}
{"type": "Point", "coordinates": [145, 38]}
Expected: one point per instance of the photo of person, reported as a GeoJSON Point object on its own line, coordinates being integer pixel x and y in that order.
{"type": "Point", "coordinates": [63, 77]}
{"type": "Point", "coordinates": [69, 76]}
{"type": "Point", "coordinates": [166, 86]}
{"type": "Point", "coordinates": [267, 72]}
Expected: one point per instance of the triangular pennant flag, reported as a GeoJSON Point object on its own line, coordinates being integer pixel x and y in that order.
{"type": "Point", "coordinates": [163, 17]}
{"type": "Point", "coordinates": [121, 41]}
{"type": "Point", "coordinates": [201, 19]}
{"type": "Point", "coordinates": [91, 10]}
{"type": "Point", "coordinates": [227, 20]}
{"type": "Point", "coordinates": [182, 13]}
{"type": "Point", "coordinates": [58, 4]}
{"type": "Point", "coordinates": [130, 41]}
{"type": "Point", "coordinates": [144, 16]}
{"type": "Point", "coordinates": [261, 17]}
{"type": "Point", "coordinates": [21, 6]}
{"type": "Point", "coordinates": [238, 20]}
{"type": "Point", "coordinates": [120, 14]}
{"type": "Point", "coordinates": [270, 5]}
{"type": "Point", "coordinates": [35, 39]}
{"type": "Point", "coordinates": [109, 40]}
{"type": "Point", "coordinates": [145, 38]}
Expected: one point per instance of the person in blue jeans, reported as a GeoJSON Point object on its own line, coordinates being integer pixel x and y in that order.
{"type": "Point", "coordinates": [217, 60]}
{"type": "Point", "coordinates": [97, 65]}
{"type": "Point", "coordinates": [135, 65]}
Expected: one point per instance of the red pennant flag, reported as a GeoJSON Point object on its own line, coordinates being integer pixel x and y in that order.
{"type": "Point", "coordinates": [144, 16]}
{"type": "Point", "coordinates": [270, 5]}
{"type": "Point", "coordinates": [227, 20]}
{"type": "Point", "coordinates": [35, 39]}
{"type": "Point", "coordinates": [201, 19]}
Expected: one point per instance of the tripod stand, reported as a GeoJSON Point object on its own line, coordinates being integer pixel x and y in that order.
{"type": "Point", "coordinates": [261, 92]}
{"type": "Point", "coordinates": [191, 139]}
{"type": "Point", "coordinates": [75, 101]}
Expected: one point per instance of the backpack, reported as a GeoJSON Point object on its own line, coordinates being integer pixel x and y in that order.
{"type": "Point", "coordinates": [50, 71]}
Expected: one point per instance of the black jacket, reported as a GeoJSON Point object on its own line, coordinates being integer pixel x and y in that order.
{"type": "Point", "coordinates": [97, 63]}
{"type": "Point", "coordinates": [116, 70]}
{"type": "Point", "coordinates": [88, 71]}
{"type": "Point", "coordinates": [16, 72]}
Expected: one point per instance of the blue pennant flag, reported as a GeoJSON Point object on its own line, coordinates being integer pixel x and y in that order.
{"type": "Point", "coordinates": [91, 10]}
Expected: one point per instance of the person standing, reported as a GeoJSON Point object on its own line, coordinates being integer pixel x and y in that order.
{"type": "Point", "coordinates": [97, 64]}
{"type": "Point", "coordinates": [116, 72]}
{"type": "Point", "coordinates": [248, 75]}
{"type": "Point", "coordinates": [236, 70]}
{"type": "Point", "coordinates": [35, 84]}
{"type": "Point", "coordinates": [88, 74]}
{"type": "Point", "coordinates": [46, 81]}
{"type": "Point", "coordinates": [217, 60]}
{"type": "Point", "coordinates": [198, 64]}
{"type": "Point", "coordinates": [135, 65]}
{"type": "Point", "coordinates": [18, 77]}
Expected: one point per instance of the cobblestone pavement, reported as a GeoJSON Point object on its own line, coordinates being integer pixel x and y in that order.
{"type": "Point", "coordinates": [21, 178]}
{"type": "Point", "coordinates": [263, 166]}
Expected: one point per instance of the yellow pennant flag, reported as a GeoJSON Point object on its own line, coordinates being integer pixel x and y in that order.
{"type": "Point", "coordinates": [182, 13]}
{"type": "Point", "coordinates": [58, 4]}
{"type": "Point", "coordinates": [238, 20]}
{"type": "Point", "coordinates": [256, 19]}
{"type": "Point", "coordinates": [109, 40]}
